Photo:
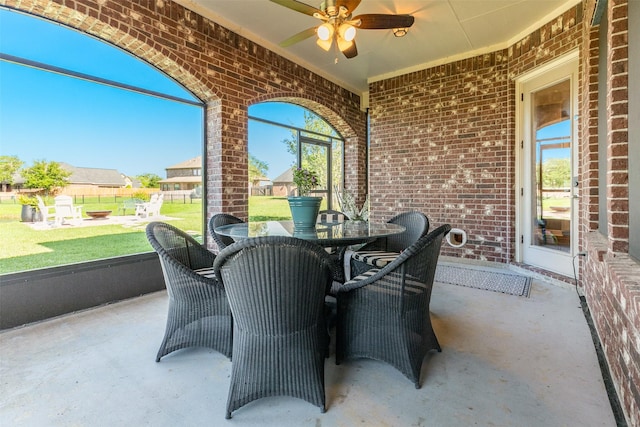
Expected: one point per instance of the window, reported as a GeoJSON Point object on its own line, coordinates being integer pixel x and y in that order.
{"type": "Point", "coordinates": [282, 136]}
{"type": "Point", "coordinates": [92, 127]}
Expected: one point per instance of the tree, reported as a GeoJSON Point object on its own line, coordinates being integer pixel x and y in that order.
{"type": "Point", "coordinates": [47, 176]}
{"type": "Point", "coordinates": [257, 168]}
{"type": "Point", "coordinates": [556, 173]}
{"type": "Point", "coordinates": [314, 156]}
{"type": "Point", "coordinates": [9, 165]}
{"type": "Point", "coordinates": [149, 180]}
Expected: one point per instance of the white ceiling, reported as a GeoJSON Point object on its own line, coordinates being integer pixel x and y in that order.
{"type": "Point", "coordinates": [444, 30]}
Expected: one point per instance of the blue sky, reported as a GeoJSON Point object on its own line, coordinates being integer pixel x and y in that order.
{"type": "Point", "coordinates": [47, 116]}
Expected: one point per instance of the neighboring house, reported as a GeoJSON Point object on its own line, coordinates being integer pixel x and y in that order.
{"type": "Point", "coordinates": [131, 182]}
{"type": "Point", "coordinates": [93, 177]}
{"type": "Point", "coordinates": [16, 184]}
{"type": "Point", "coordinates": [283, 185]}
{"type": "Point", "coordinates": [260, 186]}
{"type": "Point", "coordinates": [183, 176]}
{"type": "Point", "coordinates": [80, 179]}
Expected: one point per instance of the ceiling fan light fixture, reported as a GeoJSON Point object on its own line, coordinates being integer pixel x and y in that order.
{"type": "Point", "coordinates": [325, 31]}
{"type": "Point", "coordinates": [347, 32]}
{"type": "Point", "coordinates": [325, 44]}
{"type": "Point", "coordinates": [400, 32]}
{"type": "Point", "coordinates": [344, 44]}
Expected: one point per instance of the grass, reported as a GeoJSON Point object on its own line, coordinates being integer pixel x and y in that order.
{"type": "Point", "coordinates": [24, 248]}
{"type": "Point", "coordinates": [271, 208]}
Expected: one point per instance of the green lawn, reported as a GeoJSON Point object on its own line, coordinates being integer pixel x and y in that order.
{"type": "Point", "coordinates": [24, 248]}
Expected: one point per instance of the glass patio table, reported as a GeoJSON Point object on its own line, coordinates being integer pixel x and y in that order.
{"type": "Point", "coordinates": [326, 234]}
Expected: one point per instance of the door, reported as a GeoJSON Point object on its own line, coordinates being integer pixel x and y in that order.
{"type": "Point", "coordinates": [548, 206]}
{"type": "Point", "coordinates": [316, 154]}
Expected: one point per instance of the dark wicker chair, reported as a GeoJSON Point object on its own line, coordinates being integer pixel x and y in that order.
{"type": "Point", "coordinates": [276, 288]}
{"type": "Point", "coordinates": [381, 252]}
{"type": "Point", "coordinates": [199, 313]}
{"type": "Point", "coordinates": [383, 314]}
{"type": "Point", "coordinates": [329, 216]}
{"type": "Point", "coordinates": [222, 219]}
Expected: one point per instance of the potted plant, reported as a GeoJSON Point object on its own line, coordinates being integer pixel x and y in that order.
{"type": "Point", "coordinates": [348, 205]}
{"type": "Point", "coordinates": [304, 208]}
{"type": "Point", "coordinates": [29, 208]}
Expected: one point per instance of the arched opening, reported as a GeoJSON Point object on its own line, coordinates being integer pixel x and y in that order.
{"type": "Point", "coordinates": [120, 128]}
{"type": "Point", "coordinates": [283, 136]}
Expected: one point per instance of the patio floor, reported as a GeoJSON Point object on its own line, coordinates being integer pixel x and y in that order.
{"type": "Point", "coordinates": [124, 220]}
{"type": "Point", "coordinates": [506, 361]}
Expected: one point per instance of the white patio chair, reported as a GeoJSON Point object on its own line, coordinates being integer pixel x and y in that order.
{"type": "Point", "coordinates": [65, 209]}
{"type": "Point", "coordinates": [46, 212]}
{"type": "Point", "coordinates": [151, 208]}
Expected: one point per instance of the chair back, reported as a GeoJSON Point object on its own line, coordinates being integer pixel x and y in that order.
{"type": "Point", "coordinates": [416, 224]}
{"type": "Point", "coordinates": [331, 216]}
{"type": "Point", "coordinates": [383, 314]}
{"type": "Point", "coordinates": [276, 285]}
{"type": "Point", "coordinates": [64, 206]}
{"type": "Point", "coordinates": [222, 219]}
{"type": "Point", "coordinates": [173, 243]}
{"type": "Point", "coordinates": [41, 205]}
{"type": "Point", "coordinates": [422, 256]}
{"type": "Point", "coordinates": [198, 311]}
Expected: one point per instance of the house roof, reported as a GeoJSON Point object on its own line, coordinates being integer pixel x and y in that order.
{"type": "Point", "coordinates": [94, 176]}
{"type": "Point", "coordinates": [195, 163]}
{"type": "Point", "coordinates": [285, 177]}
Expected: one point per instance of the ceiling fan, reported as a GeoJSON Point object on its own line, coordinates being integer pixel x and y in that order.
{"type": "Point", "coordinates": [339, 24]}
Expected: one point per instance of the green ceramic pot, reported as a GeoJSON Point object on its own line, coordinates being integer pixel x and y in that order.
{"type": "Point", "coordinates": [304, 211]}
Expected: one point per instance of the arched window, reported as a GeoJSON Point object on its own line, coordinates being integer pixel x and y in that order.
{"type": "Point", "coordinates": [283, 136]}
{"type": "Point", "coordinates": [122, 129]}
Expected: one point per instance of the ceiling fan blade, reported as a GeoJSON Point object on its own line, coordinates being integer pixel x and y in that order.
{"type": "Point", "coordinates": [298, 7]}
{"type": "Point", "coordinates": [376, 21]}
{"type": "Point", "coordinates": [350, 5]}
{"type": "Point", "coordinates": [351, 51]}
{"type": "Point", "coordinates": [305, 34]}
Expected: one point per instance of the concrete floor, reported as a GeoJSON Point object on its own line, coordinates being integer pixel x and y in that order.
{"type": "Point", "coordinates": [506, 361]}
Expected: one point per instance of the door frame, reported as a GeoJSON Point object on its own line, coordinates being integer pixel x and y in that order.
{"type": "Point", "coordinates": [521, 81]}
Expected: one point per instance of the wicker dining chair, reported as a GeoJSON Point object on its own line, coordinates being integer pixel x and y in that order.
{"type": "Point", "coordinates": [383, 314]}
{"type": "Point", "coordinates": [379, 253]}
{"type": "Point", "coordinates": [222, 219]}
{"type": "Point", "coordinates": [199, 313]}
{"type": "Point", "coordinates": [331, 216]}
{"type": "Point", "coordinates": [276, 288]}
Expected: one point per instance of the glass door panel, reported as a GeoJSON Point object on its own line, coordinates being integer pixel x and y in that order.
{"type": "Point", "coordinates": [551, 225]}
{"type": "Point", "coordinates": [315, 156]}
{"type": "Point", "coordinates": [546, 213]}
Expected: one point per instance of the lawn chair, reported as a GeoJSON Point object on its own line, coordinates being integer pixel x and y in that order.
{"type": "Point", "coordinates": [151, 208]}
{"type": "Point", "coordinates": [65, 209]}
{"type": "Point", "coordinates": [130, 205]}
{"type": "Point", "coordinates": [46, 212]}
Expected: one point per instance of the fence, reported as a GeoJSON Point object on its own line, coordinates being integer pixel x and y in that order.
{"type": "Point", "coordinates": [117, 196]}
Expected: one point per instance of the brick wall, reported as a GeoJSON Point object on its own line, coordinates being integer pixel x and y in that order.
{"type": "Point", "coordinates": [443, 142]}
{"type": "Point", "coordinates": [439, 144]}
{"type": "Point", "coordinates": [223, 69]}
{"type": "Point", "coordinates": [445, 136]}
{"type": "Point", "coordinates": [610, 278]}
